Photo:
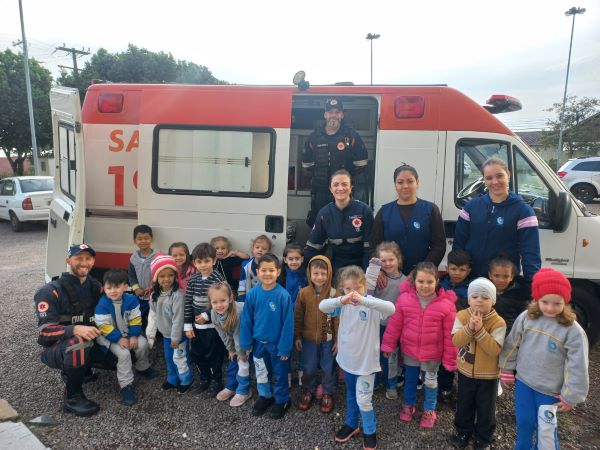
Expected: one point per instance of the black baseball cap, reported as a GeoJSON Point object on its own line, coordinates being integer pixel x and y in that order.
{"type": "Point", "coordinates": [78, 248]}
{"type": "Point", "coordinates": [334, 103]}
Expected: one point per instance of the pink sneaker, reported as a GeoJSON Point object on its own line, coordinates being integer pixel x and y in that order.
{"type": "Point", "coordinates": [225, 394]}
{"type": "Point", "coordinates": [428, 419]}
{"type": "Point", "coordinates": [239, 399]}
{"type": "Point", "coordinates": [406, 415]}
{"type": "Point", "coordinates": [319, 392]}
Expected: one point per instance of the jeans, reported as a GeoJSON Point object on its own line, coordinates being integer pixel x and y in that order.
{"type": "Point", "coordinates": [313, 357]}
{"type": "Point", "coordinates": [411, 376]}
{"type": "Point", "coordinates": [359, 402]}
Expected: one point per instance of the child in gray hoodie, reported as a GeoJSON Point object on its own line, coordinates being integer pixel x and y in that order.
{"type": "Point", "coordinates": [548, 350]}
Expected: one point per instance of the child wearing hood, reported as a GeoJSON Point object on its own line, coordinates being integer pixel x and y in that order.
{"type": "Point", "coordinates": [315, 334]}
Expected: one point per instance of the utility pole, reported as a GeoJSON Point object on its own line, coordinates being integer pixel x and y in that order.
{"type": "Point", "coordinates": [75, 54]}
{"type": "Point", "coordinates": [34, 150]}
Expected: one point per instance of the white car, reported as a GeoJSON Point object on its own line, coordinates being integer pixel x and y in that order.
{"type": "Point", "coordinates": [25, 199]}
{"type": "Point", "coordinates": [582, 177]}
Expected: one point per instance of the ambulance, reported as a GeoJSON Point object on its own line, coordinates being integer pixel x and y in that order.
{"type": "Point", "coordinates": [197, 161]}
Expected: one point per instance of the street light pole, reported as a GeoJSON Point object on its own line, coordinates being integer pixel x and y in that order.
{"type": "Point", "coordinates": [571, 12]}
{"type": "Point", "coordinates": [28, 86]}
{"type": "Point", "coordinates": [370, 37]}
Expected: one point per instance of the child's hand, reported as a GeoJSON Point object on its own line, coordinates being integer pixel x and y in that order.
{"type": "Point", "coordinates": [298, 345]}
{"type": "Point", "coordinates": [124, 343]}
{"type": "Point", "coordinates": [381, 281]}
{"type": "Point", "coordinates": [563, 406]}
{"type": "Point", "coordinates": [243, 357]}
{"type": "Point", "coordinates": [200, 319]}
{"type": "Point", "coordinates": [284, 358]}
{"type": "Point", "coordinates": [175, 344]}
{"type": "Point", "coordinates": [133, 342]}
{"type": "Point", "coordinates": [231, 356]}
{"type": "Point", "coordinates": [357, 299]}
{"type": "Point", "coordinates": [347, 299]}
{"type": "Point", "coordinates": [190, 334]}
{"type": "Point", "coordinates": [387, 354]}
{"type": "Point", "coordinates": [476, 321]}
{"type": "Point", "coordinates": [139, 292]}
{"type": "Point", "coordinates": [507, 378]}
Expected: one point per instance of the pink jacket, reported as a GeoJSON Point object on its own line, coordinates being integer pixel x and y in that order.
{"type": "Point", "coordinates": [424, 334]}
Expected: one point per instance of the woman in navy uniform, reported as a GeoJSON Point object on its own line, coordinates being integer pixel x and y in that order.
{"type": "Point", "coordinates": [415, 224]}
{"type": "Point", "coordinates": [344, 224]}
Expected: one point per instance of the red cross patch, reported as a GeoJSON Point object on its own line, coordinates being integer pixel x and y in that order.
{"type": "Point", "coordinates": [341, 146]}
{"type": "Point", "coordinates": [43, 306]}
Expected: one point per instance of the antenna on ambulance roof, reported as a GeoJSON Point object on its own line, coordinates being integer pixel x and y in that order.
{"type": "Point", "coordinates": [299, 80]}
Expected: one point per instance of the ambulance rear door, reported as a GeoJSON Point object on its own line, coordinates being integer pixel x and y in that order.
{"type": "Point", "coordinates": [67, 208]}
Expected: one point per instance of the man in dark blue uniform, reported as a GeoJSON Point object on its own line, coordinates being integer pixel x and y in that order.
{"type": "Point", "coordinates": [330, 148]}
{"type": "Point", "coordinates": [65, 313]}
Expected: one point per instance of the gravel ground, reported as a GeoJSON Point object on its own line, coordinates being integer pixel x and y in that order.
{"type": "Point", "coordinates": [165, 420]}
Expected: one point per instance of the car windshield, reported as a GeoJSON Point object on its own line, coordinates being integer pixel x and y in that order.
{"type": "Point", "coordinates": [34, 185]}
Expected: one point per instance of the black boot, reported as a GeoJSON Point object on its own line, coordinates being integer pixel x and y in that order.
{"type": "Point", "coordinates": [75, 400]}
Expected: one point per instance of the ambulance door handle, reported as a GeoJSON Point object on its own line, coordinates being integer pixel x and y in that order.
{"type": "Point", "coordinates": [274, 224]}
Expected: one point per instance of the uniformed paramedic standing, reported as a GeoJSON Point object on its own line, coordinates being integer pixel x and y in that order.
{"type": "Point", "coordinates": [330, 148]}
{"type": "Point", "coordinates": [66, 330]}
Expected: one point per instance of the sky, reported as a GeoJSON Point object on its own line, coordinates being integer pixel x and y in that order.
{"type": "Point", "coordinates": [519, 48]}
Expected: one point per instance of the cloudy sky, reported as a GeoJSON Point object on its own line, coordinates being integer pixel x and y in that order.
{"type": "Point", "coordinates": [510, 47]}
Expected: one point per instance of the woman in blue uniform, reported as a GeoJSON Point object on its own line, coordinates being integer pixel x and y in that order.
{"type": "Point", "coordinates": [344, 224]}
{"type": "Point", "coordinates": [414, 224]}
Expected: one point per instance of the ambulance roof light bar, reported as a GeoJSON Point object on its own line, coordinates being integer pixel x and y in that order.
{"type": "Point", "coordinates": [499, 103]}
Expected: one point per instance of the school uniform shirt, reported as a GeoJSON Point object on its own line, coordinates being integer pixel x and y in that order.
{"type": "Point", "coordinates": [358, 332]}
{"type": "Point", "coordinates": [196, 300]}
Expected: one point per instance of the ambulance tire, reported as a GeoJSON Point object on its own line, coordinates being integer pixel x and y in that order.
{"type": "Point", "coordinates": [585, 301]}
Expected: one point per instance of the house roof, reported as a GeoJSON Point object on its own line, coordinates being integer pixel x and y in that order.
{"type": "Point", "coordinates": [531, 138]}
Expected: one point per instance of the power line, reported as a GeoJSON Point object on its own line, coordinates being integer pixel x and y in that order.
{"type": "Point", "coordinates": [75, 54]}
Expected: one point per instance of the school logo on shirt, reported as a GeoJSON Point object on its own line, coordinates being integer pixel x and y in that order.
{"type": "Point", "coordinates": [356, 222]}
{"type": "Point", "coordinates": [552, 346]}
{"type": "Point", "coordinates": [417, 225]}
{"type": "Point", "coordinates": [273, 306]}
{"type": "Point", "coordinates": [362, 314]}
{"type": "Point", "coordinates": [500, 221]}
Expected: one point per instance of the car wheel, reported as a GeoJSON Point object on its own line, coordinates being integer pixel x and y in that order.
{"type": "Point", "coordinates": [584, 192]}
{"type": "Point", "coordinates": [15, 223]}
{"type": "Point", "coordinates": [586, 305]}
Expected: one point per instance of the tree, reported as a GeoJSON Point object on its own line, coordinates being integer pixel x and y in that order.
{"type": "Point", "coordinates": [579, 132]}
{"type": "Point", "coordinates": [15, 133]}
{"type": "Point", "coordinates": [137, 65]}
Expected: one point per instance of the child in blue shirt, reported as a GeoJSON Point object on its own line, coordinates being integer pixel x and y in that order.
{"type": "Point", "coordinates": [267, 329]}
{"type": "Point", "coordinates": [248, 276]}
{"type": "Point", "coordinates": [293, 272]}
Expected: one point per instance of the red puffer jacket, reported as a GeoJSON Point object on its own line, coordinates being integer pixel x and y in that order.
{"type": "Point", "coordinates": [424, 334]}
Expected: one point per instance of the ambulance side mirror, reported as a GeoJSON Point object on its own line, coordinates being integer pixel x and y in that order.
{"type": "Point", "coordinates": [562, 212]}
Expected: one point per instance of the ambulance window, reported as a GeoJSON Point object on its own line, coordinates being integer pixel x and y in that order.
{"type": "Point", "coordinates": [224, 161]}
{"type": "Point", "coordinates": [532, 188]}
{"type": "Point", "coordinates": [470, 156]}
{"type": "Point", "coordinates": [67, 159]}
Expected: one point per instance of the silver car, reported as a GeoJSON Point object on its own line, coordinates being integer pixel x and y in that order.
{"type": "Point", "coordinates": [582, 177]}
{"type": "Point", "coordinates": [25, 199]}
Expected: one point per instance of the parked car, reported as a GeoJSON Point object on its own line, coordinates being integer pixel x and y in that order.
{"type": "Point", "coordinates": [25, 199]}
{"type": "Point", "coordinates": [582, 177]}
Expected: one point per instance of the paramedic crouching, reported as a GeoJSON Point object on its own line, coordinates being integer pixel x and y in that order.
{"type": "Point", "coordinates": [328, 149]}
{"type": "Point", "coordinates": [65, 313]}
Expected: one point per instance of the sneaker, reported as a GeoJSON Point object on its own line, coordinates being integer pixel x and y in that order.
{"type": "Point", "coordinates": [326, 404]}
{"type": "Point", "coordinates": [306, 401]}
{"type": "Point", "coordinates": [400, 382]}
{"type": "Point", "coordinates": [128, 395]}
{"type": "Point", "coordinates": [166, 386]}
{"type": "Point", "coordinates": [278, 411]}
{"type": "Point", "coordinates": [407, 412]}
{"type": "Point", "coordinates": [319, 392]}
{"type": "Point", "coordinates": [90, 377]}
{"type": "Point", "coordinates": [79, 405]}
{"type": "Point", "coordinates": [370, 441]}
{"type": "Point", "coordinates": [345, 433]}
{"type": "Point", "coordinates": [460, 441]}
{"type": "Point", "coordinates": [183, 388]}
{"type": "Point", "coordinates": [428, 419]}
{"type": "Point", "coordinates": [446, 396]}
{"type": "Point", "coordinates": [239, 399]}
{"type": "Point", "coordinates": [419, 384]}
{"type": "Point", "coordinates": [148, 374]}
{"type": "Point", "coordinates": [214, 388]}
{"type": "Point", "coordinates": [261, 405]}
{"type": "Point", "coordinates": [391, 394]}
{"type": "Point", "coordinates": [225, 394]}
{"type": "Point", "coordinates": [201, 387]}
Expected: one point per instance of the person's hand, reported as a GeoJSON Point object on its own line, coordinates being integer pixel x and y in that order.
{"type": "Point", "coordinates": [476, 321]}
{"type": "Point", "coordinates": [563, 405]}
{"type": "Point", "coordinates": [124, 343]}
{"type": "Point", "coordinates": [357, 299]}
{"type": "Point", "coordinates": [347, 299]}
{"type": "Point", "coordinates": [387, 354]}
{"type": "Point", "coordinates": [190, 334]}
{"type": "Point", "coordinates": [284, 358]}
{"type": "Point", "coordinates": [243, 357]}
{"type": "Point", "coordinates": [133, 342]}
{"type": "Point", "coordinates": [507, 378]}
{"type": "Point", "coordinates": [200, 319]}
{"type": "Point", "coordinates": [382, 281]}
{"type": "Point", "coordinates": [139, 292]}
{"type": "Point", "coordinates": [231, 356]}
{"type": "Point", "coordinates": [85, 332]}
{"type": "Point", "coordinates": [298, 345]}
{"type": "Point", "coordinates": [174, 344]}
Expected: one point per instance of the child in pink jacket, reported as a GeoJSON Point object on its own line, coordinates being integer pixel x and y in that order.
{"type": "Point", "coordinates": [423, 324]}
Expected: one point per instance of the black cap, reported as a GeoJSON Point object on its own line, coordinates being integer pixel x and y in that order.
{"type": "Point", "coordinates": [334, 103]}
{"type": "Point", "coordinates": [78, 248]}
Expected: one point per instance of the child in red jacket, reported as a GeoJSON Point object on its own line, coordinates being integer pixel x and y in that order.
{"type": "Point", "coordinates": [423, 324]}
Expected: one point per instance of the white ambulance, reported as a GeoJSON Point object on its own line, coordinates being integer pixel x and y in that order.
{"type": "Point", "coordinates": [197, 161]}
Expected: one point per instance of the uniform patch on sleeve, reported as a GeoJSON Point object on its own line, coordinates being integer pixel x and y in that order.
{"type": "Point", "coordinates": [43, 306]}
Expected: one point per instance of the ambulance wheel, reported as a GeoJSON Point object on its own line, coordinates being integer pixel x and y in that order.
{"type": "Point", "coordinates": [15, 223]}
{"type": "Point", "coordinates": [585, 301]}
